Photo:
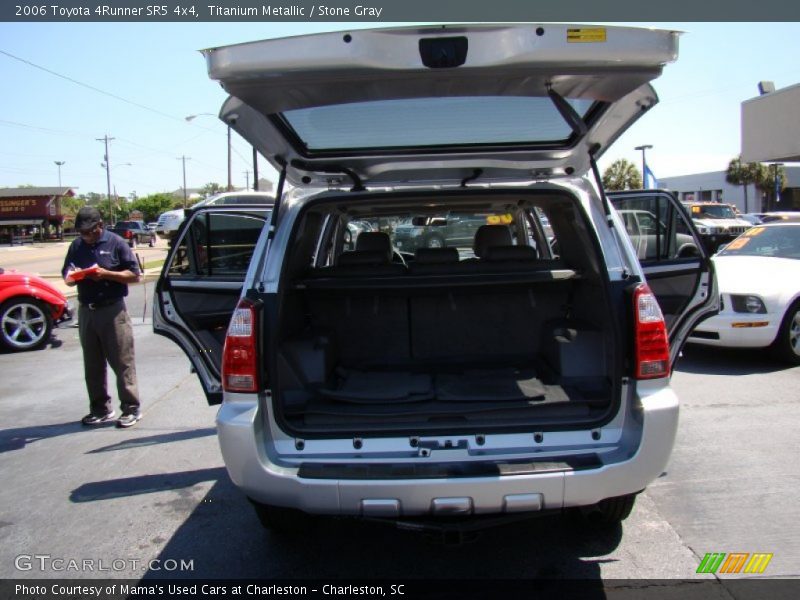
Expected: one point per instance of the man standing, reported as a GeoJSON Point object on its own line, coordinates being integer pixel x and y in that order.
{"type": "Point", "coordinates": [104, 326]}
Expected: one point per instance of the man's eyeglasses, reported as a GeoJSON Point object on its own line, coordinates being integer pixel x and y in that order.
{"type": "Point", "coordinates": [88, 231]}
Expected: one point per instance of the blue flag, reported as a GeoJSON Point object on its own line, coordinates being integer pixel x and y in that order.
{"type": "Point", "coordinates": [650, 181]}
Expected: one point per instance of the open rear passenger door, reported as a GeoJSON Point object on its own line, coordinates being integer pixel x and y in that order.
{"type": "Point", "coordinates": [675, 262]}
{"type": "Point", "coordinates": [201, 282]}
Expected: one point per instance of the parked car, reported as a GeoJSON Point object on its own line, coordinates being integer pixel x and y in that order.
{"type": "Point", "coordinates": [514, 382]}
{"type": "Point", "coordinates": [717, 223]}
{"type": "Point", "coordinates": [134, 232]}
{"type": "Point", "coordinates": [445, 231]}
{"type": "Point", "coordinates": [759, 282]}
{"type": "Point", "coordinates": [752, 218]}
{"type": "Point", "coordinates": [169, 222]}
{"type": "Point", "coordinates": [29, 309]}
{"type": "Point", "coordinates": [784, 216]}
{"type": "Point", "coordinates": [644, 229]}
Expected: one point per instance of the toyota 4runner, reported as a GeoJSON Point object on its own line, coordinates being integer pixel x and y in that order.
{"type": "Point", "coordinates": [510, 373]}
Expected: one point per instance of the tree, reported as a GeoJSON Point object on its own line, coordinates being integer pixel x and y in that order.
{"type": "Point", "coordinates": [745, 174]}
{"type": "Point", "coordinates": [622, 175]}
{"type": "Point", "coordinates": [767, 184]}
{"type": "Point", "coordinates": [210, 189]}
{"type": "Point", "coordinates": [153, 205]}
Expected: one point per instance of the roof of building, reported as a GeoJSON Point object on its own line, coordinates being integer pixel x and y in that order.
{"type": "Point", "coordinates": [35, 191]}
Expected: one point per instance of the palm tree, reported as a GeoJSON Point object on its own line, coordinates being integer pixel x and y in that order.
{"type": "Point", "coordinates": [745, 174]}
{"type": "Point", "coordinates": [622, 175]}
{"type": "Point", "coordinates": [767, 183]}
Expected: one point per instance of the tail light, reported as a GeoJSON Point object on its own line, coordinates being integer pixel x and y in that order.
{"type": "Point", "coordinates": [128, 234]}
{"type": "Point", "coordinates": [239, 357]}
{"type": "Point", "coordinates": [651, 340]}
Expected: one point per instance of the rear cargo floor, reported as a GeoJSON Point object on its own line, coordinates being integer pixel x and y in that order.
{"type": "Point", "coordinates": [479, 396]}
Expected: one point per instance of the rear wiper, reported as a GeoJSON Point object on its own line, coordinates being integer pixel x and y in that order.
{"type": "Point", "coordinates": [358, 186]}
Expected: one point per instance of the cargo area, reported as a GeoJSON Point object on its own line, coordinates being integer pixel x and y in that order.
{"type": "Point", "coordinates": [509, 339]}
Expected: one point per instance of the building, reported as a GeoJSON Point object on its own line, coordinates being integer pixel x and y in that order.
{"type": "Point", "coordinates": [713, 187]}
{"type": "Point", "coordinates": [32, 211]}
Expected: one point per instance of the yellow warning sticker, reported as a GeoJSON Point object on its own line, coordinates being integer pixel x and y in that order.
{"type": "Point", "coordinates": [587, 34]}
{"type": "Point", "coordinates": [505, 219]}
{"type": "Point", "coordinates": [737, 243]}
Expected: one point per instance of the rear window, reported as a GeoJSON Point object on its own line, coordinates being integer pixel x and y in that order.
{"type": "Point", "coordinates": [433, 122]}
{"type": "Point", "coordinates": [409, 233]}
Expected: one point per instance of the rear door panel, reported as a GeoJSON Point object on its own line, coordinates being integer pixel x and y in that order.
{"type": "Point", "coordinates": [675, 262]}
{"type": "Point", "coordinates": [201, 283]}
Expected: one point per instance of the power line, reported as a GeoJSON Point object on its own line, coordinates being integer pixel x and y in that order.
{"type": "Point", "coordinates": [90, 87]}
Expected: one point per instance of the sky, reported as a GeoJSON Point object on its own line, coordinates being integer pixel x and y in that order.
{"type": "Point", "coordinates": [66, 85]}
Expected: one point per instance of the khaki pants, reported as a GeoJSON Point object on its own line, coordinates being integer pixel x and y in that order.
{"type": "Point", "coordinates": [106, 337]}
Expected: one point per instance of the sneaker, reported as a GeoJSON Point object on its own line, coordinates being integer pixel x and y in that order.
{"type": "Point", "coordinates": [128, 419]}
{"type": "Point", "coordinates": [92, 419]}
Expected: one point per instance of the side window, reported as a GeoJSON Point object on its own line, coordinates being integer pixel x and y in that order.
{"type": "Point", "coordinates": [658, 231]}
{"type": "Point", "coordinates": [217, 245]}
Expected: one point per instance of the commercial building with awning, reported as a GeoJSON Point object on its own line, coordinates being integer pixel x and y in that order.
{"type": "Point", "coordinates": [30, 207]}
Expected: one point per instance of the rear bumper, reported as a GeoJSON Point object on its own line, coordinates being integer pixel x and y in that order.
{"type": "Point", "coordinates": [241, 437]}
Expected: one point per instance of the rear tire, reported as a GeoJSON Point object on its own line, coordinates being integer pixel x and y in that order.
{"type": "Point", "coordinates": [152, 241]}
{"type": "Point", "coordinates": [610, 512]}
{"type": "Point", "coordinates": [280, 519]}
{"type": "Point", "coordinates": [133, 242]}
{"type": "Point", "coordinates": [435, 241]}
{"type": "Point", "coordinates": [787, 345]}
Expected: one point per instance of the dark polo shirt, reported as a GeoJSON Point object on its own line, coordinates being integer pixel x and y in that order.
{"type": "Point", "coordinates": [110, 252]}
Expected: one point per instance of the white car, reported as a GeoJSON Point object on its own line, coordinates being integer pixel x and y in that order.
{"type": "Point", "coordinates": [496, 378]}
{"type": "Point", "coordinates": [169, 222]}
{"type": "Point", "coordinates": [759, 282]}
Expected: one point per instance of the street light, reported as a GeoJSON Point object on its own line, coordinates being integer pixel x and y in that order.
{"type": "Point", "coordinates": [59, 163]}
{"type": "Point", "coordinates": [644, 149]}
{"type": "Point", "coordinates": [191, 117]}
{"type": "Point", "coordinates": [105, 165]}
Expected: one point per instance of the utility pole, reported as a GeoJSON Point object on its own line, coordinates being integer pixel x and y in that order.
{"type": "Point", "coordinates": [107, 165]}
{"type": "Point", "coordinates": [230, 180]}
{"type": "Point", "coordinates": [59, 163]}
{"type": "Point", "coordinates": [247, 180]}
{"type": "Point", "coordinates": [644, 149]}
{"type": "Point", "coordinates": [184, 159]}
{"type": "Point", "coordinates": [255, 169]}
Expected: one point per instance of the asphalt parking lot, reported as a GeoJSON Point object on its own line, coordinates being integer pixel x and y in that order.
{"type": "Point", "coordinates": [159, 491]}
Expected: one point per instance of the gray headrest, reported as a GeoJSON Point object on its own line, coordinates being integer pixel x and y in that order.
{"type": "Point", "coordinates": [375, 241]}
{"type": "Point", "coordinates": [362, 258]}
{"type": "Point", "coordinates": [511, 253]}
{"type": "Point", "coordinates": [491, 235]}
{"type": "Point", "coordinates": [435, 256]}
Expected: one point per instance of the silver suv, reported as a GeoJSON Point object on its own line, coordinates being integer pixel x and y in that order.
{"type": "Point", "coordinates": [169, 222]}
{"type": "Point", "coordinates": [522, 371]}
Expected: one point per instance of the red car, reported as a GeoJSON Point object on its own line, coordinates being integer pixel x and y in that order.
{"type": "Point", "coordinates": [29, 308]}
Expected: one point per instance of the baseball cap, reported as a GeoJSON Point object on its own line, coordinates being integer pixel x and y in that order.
{"type": "Point", "coordinates": [87, 218]}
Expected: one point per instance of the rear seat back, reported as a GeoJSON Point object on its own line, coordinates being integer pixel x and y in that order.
{"type": "Point", "coordinates": [372, 257]}
{"type": "Point", "coordinates": [434, 261]}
